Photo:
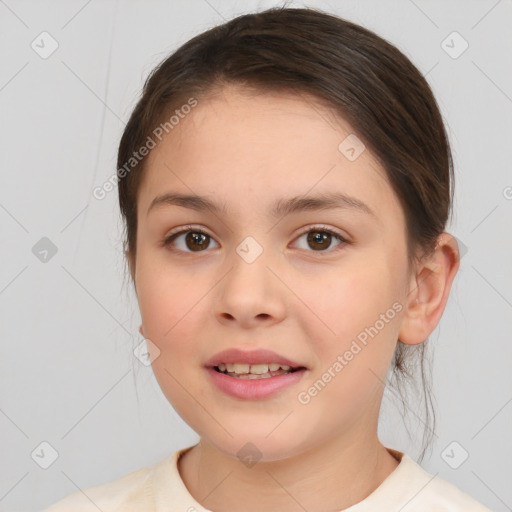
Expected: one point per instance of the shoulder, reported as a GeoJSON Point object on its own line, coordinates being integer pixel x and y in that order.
{"type": "Point", "coordinates": [129, 493]}
{"type": "Point", "coordinates": [446, 497]}
{"type": "Point", "coordinates": [429, 492]}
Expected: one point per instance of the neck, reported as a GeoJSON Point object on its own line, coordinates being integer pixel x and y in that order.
{"type": "Point", "coordinates": [330, 477]}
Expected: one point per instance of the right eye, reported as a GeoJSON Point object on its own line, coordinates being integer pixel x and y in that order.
{"type": "Point", "coordinates": [188, 240]}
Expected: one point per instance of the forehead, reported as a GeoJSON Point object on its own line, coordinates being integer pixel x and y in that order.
{"type": "Point", "coordinates": [252, 120]}
{"type": "Point", "coordinates": [248, 147]}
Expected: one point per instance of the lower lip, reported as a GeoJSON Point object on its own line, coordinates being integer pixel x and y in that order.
{"type": "Point", "coordinates": [254, 388]}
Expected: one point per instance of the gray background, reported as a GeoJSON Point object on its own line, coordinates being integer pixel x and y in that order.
{"type": "Point", "coordinates": [68, 376]}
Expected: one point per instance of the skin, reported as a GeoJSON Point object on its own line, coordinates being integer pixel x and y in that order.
{"type": "Point", "coordinates": [247, 150]}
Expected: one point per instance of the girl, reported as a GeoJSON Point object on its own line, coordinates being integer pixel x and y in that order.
{"type": "Point", "coordinates": [285, 180]}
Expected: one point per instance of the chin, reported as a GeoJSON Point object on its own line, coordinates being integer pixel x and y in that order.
{"type": "Point", "coordinates": [251, 447]}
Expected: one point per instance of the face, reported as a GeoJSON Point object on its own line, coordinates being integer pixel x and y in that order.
{"type": "Point", "coordinates": [322, 287]}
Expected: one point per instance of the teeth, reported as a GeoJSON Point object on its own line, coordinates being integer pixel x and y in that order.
{"type": "Point", "coordinates": [253, 369]}
{"type": "Point", "coordinates": [258, 369]}
{"type": "Point", "coordinates": [249, 376]}
{"type": "Point", "coordinates": [240, 368]}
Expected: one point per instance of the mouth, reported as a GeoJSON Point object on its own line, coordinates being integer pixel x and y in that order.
{"type": "Point", "coordinates": [253, 374]}
{"type": "Point", "coordinates": [255, 371]}
{"type": "Point", "coordinates": [254, 381]}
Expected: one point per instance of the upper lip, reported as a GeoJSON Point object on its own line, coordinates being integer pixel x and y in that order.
{"type": "Point", "coordinates": [260, 356]}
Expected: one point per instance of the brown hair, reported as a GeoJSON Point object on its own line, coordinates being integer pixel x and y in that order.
{"type": "Point", "coordinates": [359, 75]}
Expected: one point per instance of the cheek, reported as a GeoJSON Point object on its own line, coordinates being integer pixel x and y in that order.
{"type": "Point", "coordinates": [167, 298]}
{"type": "Point", "coordinates": [357, 308]}
{"type": "Point", "coordinates": [171, 309]}
{"type": "Point", "coordinates": [352, 363]}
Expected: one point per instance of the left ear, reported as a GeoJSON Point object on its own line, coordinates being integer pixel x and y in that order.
{"type": "Point", "coordinates": [429, 289]}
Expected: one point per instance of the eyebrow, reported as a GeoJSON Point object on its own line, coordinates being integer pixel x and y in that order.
{"type": "Point", "coordinates": [281, 208]}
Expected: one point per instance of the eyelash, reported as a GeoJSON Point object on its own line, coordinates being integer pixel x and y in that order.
{"type": "Point", "coordinates": [320, 229]}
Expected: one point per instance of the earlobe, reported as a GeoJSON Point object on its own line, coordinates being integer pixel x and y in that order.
{"type": "Point", "coordinates": [131, 267]}
{"type": "Point", "coordinates": [429, 291]}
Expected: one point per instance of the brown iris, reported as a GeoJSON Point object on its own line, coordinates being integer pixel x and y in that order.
{"type": "Point", "coordinates": [197, 240]}
{"type": "Point", "coordinates": [317, 239]}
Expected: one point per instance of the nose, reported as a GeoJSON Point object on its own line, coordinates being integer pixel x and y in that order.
{"type": "Point", "coordinates": [250, 294]}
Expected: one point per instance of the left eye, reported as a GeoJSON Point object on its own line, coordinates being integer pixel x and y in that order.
{"type": "Point", "coordinates": [320, 239]}
{"type": "Point", "coordinates": [196, 240]}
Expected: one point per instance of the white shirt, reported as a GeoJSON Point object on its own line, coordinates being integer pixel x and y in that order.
{"type": "Point", "coordinates": [159, 488]}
